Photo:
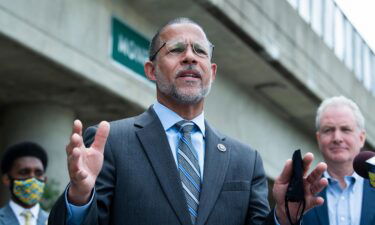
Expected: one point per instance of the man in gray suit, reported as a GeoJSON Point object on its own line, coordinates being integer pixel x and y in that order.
{"type": "Point", "coordinates": [23, 167]}
{"type": "Point", "coordinates": [168, 166]}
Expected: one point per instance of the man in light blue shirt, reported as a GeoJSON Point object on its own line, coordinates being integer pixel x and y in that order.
{"type": "Point", "coordinates": [344, 204]}
{"type": "Point", "coordinates": [168, 166]}
{"type": "Point", "coordinates": [341, 134]}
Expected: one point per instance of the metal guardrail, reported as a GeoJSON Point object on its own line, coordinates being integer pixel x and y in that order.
{"type": "Point", "coordinates": [330, 23]}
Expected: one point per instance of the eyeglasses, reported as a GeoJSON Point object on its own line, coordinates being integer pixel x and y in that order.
{"type": "Point", "coordinates": [177, 47]}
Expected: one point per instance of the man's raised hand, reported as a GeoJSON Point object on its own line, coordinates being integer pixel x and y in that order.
{"type": "Point", "coordinates": [84, 164]}
{"type": "Point", "coordinates": [313, 183]}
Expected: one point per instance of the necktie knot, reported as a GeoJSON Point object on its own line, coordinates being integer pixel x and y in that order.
{"type": "Point", "coordinates": [27, 215]}
{"type": "Point", "coordinates": [185, 126]}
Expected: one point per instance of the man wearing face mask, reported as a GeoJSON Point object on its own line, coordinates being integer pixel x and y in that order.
{"type": "Point", "coordinates": [23, 169]}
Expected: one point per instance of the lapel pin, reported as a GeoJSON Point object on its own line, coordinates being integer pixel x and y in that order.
{"type": "Point", "coordinates": [221, 147]}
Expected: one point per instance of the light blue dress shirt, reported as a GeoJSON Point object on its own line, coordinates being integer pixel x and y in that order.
{"type": "Point", "coordinates": [344, 205]}
{"type": "Point", "coordinates": [169, 118]}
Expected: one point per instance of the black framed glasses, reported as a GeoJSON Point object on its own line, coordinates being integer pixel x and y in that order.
{"type": "Point", "coordinates": [178, 47]}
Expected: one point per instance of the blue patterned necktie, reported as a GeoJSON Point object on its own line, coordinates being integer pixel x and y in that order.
{"type": "Point", "coordinates": [188, 167]}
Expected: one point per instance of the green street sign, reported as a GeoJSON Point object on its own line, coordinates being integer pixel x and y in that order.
{"type": "Point", "coordinates": [129, 48]}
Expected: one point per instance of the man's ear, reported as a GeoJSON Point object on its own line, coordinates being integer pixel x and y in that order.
{"type": "Point", "coordinates": [149, 68]}
{"type": "Point", "coordinates": [213, 70]}
{"type": "Point", "coordinates": [5, 179]}
{"type": "Point", "coordinates": [362, 138]}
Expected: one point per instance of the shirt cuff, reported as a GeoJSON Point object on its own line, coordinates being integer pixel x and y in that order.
{"type": "Point", "coordinates": [274, 216]}
{"type": "Point", "coordinates": [76, 214]}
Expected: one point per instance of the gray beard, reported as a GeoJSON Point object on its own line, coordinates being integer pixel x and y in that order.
{"type": "Point", "coordinates": [183, 98]}
{"type": "Point", "coordinates": [171, 90]}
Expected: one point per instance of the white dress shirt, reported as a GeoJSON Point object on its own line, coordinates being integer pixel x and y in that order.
{"type": "Point", "coordinates": [17, 209]}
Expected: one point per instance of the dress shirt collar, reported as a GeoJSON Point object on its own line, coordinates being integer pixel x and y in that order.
{"type": "Point", "coordinates": [17, 209]}
{"type": "Point", "coordinates": [354, 180]}
{"type": "Point", "coordinates": [169, 118]}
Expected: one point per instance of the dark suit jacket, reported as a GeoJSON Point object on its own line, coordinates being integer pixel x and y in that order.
{"type": "Point", "coordinates": [139, 183]}
{"type": "Point", "coordinates": [319, 215]}
{"type": "Point", "coordinates": [7, 216]}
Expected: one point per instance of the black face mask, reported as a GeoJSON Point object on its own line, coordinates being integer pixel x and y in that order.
{"type": "Point", "coordinates": [296, 192]}
{"type": "Point", "coordinates": [300, 210]}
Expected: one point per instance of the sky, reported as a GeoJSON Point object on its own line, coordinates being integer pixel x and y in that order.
{"type": "Point", "coordinates": [361, 14]}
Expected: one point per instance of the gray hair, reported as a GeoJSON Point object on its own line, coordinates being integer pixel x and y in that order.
{"type": "Point", "coordinates": [155, 41]}
{"type": "Point", "coordinates": [340, 101]}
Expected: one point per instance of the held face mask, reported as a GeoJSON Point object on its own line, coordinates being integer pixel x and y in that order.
{"type": "Point", "coordinates": [28, 191]}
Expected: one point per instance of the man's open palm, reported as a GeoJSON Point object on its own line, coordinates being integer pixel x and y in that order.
{"type": "Point", "coordinates": [84, 164]}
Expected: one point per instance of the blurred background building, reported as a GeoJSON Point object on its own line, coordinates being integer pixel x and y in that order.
{"type": "Point", "coordinates": [277, 59]}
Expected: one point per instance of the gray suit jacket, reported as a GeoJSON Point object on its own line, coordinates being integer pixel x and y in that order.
{"type": "Point", "coordinates": [319, 215]}
{"type": "Point", "coordinates": [139, 183]}
{"type": "Point", "coordinates": [7, 216]}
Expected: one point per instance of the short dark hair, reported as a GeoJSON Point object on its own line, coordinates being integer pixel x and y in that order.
{"type": "Point", "coordinates": [155, 41]}
{"type": "Point", "coordinates": [19, 150]}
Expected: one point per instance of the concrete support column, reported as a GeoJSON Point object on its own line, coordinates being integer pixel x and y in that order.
{"type": "Point", "coordinates": [46, 124]}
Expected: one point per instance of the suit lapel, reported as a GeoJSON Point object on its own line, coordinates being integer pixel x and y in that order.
{"type": "Point", "coordinates": [155, 143]}
{"type": "Point", "coordinates": [7, 215]}
{"type": "Point", "coordinates": [322, 211]}
{"type": "Point", "coordinates": [368, 204]}
{"type": "Point", "coordinates": [42, 217]}
{"type": "Point", "coordinates": [215, 167]}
